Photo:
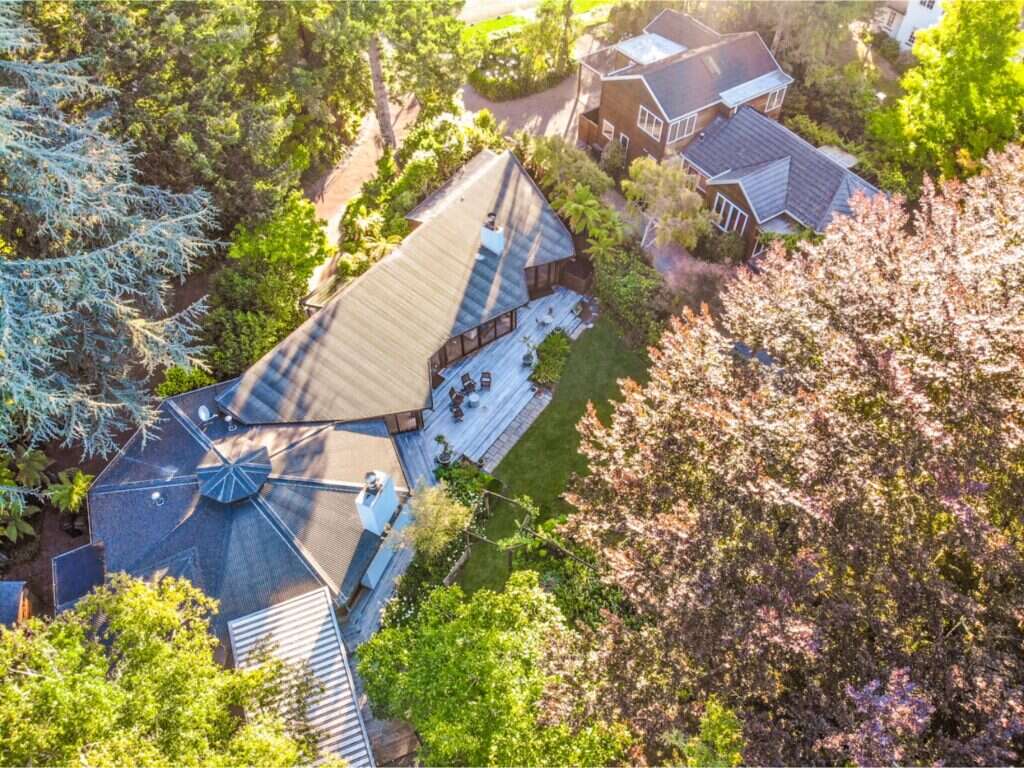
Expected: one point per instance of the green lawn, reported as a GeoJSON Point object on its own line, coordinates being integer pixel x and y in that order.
{"type": "Point", "coordinates": [542, 461]}
{"type": "Point", "coordinates": [490, 26]}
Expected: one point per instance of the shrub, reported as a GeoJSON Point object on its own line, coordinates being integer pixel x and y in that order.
{"type": "Point", "coordinates": [887, 48]}
{"type": "Point", "coordinates": [613, 159]}
{"type": "Point", "coordinates": [240, 338]}
{"type": "Point", "coordinates": [814, 132]}
{"type": "Point", "coordinates": [465, 485]}
{"type": "Point", "coordinates": [178, 380]}
{"type": "Point", "coordinates": [721, 248]}
{"type": "Point", "coordinates": [630, 288]}
{"type": "Point", "coordinates": [551, 356]}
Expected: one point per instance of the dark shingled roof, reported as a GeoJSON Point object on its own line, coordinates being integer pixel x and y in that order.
{"type": "Point", "coordinates": [76, 573]}
{"type": "Point", "coordinates": [366, 353]}
{"type": "Point", "coordinates": [778, 171]}
{"type": "Point", "coordinates": [696, 79]}
{"type": "Point", "coordinates": [297, 530]}
{"type": "Point", "coordinates": [10, 601]}
{"type": "Point", "coordinates": [682, 28]}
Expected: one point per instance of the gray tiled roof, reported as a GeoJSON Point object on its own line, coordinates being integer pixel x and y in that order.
{"type": "Point", "coordinates": [682, 28]}
{"type": "Point", "coordinates": [301, 531]}
{"type": "Point", "coordinates": [366, 353]}
{"type": "Point", "coordinates": [75, 574]}
{"type": "Point", "coordinates": [779, 171]}
{"type": "Point", "coordinates": [696, 79]}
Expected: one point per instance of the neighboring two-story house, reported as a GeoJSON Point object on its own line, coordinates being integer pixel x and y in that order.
{"type": "Point", "coordinates": [660, 89]}
{"type": "Point", "coordinates": [903, 19]}
{"type": "Point", "coordinates": [758, 176]}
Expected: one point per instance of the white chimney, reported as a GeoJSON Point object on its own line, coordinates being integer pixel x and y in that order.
{"type": "Point", "coordinates": [492, 237]}
{"type": "Point", "coordinates": [377, 502]}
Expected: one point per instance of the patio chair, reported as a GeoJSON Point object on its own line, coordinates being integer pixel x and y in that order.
{"type": "Point", "coordinates": [485, 380]}
{"type": "Point", "coordinates": [468, 385]}
{"type": "Point", "coordinates": [457, 413]}
{"type": "Point", "coordinates": [455, 396]}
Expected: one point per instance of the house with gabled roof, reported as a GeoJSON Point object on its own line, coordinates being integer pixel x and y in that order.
{"type": "Point", "coordinates": [660, 88]}
{"type": "Point", "coordinates": [279, 493]}
{"type": "Point", "coordinates": [759, 177]}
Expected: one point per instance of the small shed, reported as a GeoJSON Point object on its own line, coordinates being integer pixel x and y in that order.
{"type": "Point", "coordinates": [16, 604]}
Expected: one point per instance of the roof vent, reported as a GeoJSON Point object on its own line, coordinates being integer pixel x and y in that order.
{"type": "Point", "coordinates": [157, 498]}
{"type": "Point", "coordinates": [372, 482]}
{"type": "Point", "coordinates": [204, 414]}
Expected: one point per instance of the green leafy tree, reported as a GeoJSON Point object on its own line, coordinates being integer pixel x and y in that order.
{"type": "Point", "coordinates": [178, 380]}
{"type": "Point", "coordinates": [667, 194]}
{"type": "Point", "coordinates": [128, 677]}
{"type": "Point", "coordinates": [256, 299]}
{"type": "Point", "coordinates": [70, 491]}
{"type": "Point", "coordinates": [583, 211]}
{"type": "Point", "coordinates": [14, 505]}
{"type": "Point", "coordinates": [719, 740]}
{"type": "Point", "coordinates": [437, 519]}
{"type": "Point", "coordinates": [467, 674]}
{"type": "Point", "coordinates": [965, 95]}
{"type": "Point", "coordinates": [237, 96]}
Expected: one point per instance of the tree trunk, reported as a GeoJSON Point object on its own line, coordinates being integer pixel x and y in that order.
{"type": "Point", "coordinates": [382, 106]}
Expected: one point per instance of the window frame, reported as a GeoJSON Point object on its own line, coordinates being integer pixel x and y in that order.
{"type": "Point", "coordinates": [607, 129]}
{"type": "Point", "coordinates": [929, 4]}
{"type": "Point", "coordinates": [775, 99]}
{"type": "Point", "coordinates": [655, 120]}
{"type": "Point", "coordinates": [912, 38]}
{"type": "Point", "coordinates": [684, 121]}
{"type": "Point", "coordinates": [624, 140]}
{"type": "Point", "coordinates": [729, 215]}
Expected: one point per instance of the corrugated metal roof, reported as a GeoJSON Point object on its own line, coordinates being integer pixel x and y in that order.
{"type": "Point", "coordinates": [816, 186]}
{"type": "Point", "coordinates": [366, 353]}
{"type": "Point", "coordinates": [304, 631]}
{"type": "Point", "coordinates": [744, 92]}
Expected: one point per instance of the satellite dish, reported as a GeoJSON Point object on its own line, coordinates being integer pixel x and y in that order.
{"type": "Point", "coordinates": [204, 414]}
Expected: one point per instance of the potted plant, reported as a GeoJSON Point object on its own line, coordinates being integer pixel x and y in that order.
{"type": "Point", "coordinates": [68, 494]}
{"type": "Point", "coordinates": [447, 456]}
{"type": "Point", "coordinates": [529, 356]}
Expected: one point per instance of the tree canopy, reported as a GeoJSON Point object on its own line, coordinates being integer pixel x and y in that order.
{"type": "Point", "coordinates": [467, 674]}
{"type": "Point", "coordinates": [827, 536]}
{"type": "Point", "coordinates": [88, 256]}
{"type": "Point", "coordinates": [668, 195]}
{"type": "Point", "coordinates": [128, 677]}
{"type": "Point", "coordinates": [965, 94]}
{"type": "Point", "coordinates": [237, 96]}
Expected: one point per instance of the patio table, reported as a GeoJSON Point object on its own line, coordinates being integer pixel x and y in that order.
{"type": "Point", "coordinates": [473, 400]}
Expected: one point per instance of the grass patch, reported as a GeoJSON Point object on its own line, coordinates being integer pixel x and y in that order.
{"type": "Point", "coordinates": [488, 27]}
{"type": "Point", "coordinates": [541, 463]}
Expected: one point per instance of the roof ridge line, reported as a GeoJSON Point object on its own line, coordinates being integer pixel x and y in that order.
{"type": "Point", "coordinates": [144, 485]}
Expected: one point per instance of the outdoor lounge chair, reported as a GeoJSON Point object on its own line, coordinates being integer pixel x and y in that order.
{"type": "Point", "coordinates": [468, 385]}
{"type": "Point", "coordinates": [485, 380]}
{"type": "Point", "coordinates": [455, 396]}
{"type": "Point", "coordinates": [457, 413]}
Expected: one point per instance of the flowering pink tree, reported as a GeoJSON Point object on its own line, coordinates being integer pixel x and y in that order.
{"type": "Point", "coordinates": [829, 537]}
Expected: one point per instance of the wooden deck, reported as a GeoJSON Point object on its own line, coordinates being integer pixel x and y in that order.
{"type": "Point", "coordinates": [510, 392]}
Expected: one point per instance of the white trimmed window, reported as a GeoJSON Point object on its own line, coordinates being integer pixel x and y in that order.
{"type": "Point", "coordinates": [892, 20]}
{"type": "Point", "coordinates": [607, 129]}
{"type": "Point", "coordinates": [624, 140]}
{"type": "Point", "coordinates": [649, 123]}
{"type": "Point", "coordinates": [929, 4]}
{"type": "Point", "coordinates": [680, 129]}
{"type": "Point", "coordinates": [912, 38]}
{"type": "Point", "coordinates": [731, 218]}
{"type": "Point", "coordinates": [775, 99]}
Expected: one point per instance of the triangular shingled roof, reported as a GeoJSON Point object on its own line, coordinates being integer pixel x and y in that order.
{"type": "Point", "coordinates": [366, 353]}
{"type": "Point", "coordinates": [778, 170]}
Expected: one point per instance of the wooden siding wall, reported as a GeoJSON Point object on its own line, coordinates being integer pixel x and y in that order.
{"type": "Point", "coordinates": [620, 105]}
{"type": "Point", "coordinates": [736, 196]}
